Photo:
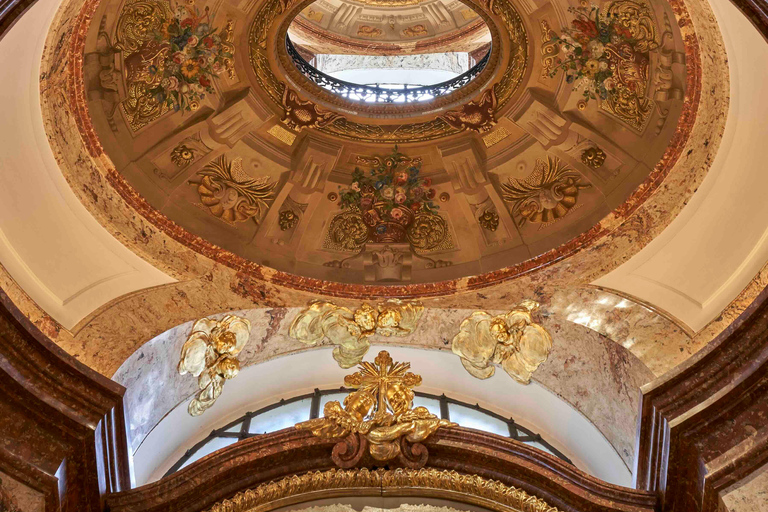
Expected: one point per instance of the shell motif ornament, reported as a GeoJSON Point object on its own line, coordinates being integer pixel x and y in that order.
{"type": "Point", "coordinates": [547, 195]}
{"type": "Point", "coordinates": [349, 330]}
{"type": "Point", "coordinates": [512, 340]}
{"type": "Point", "coordinates": [477, 115]}
{"type": "Point", "coordinates": [210, 354]}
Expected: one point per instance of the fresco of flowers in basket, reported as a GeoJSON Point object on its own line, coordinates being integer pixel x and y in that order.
{"type": "Point", "coordinates": [389, 196]}
{"type": "Point", "coordinates": [172, 56]}
{"type": "Point", "coordinates": [606, 54]}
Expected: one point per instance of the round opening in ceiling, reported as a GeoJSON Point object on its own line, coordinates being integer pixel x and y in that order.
{"type": "Point", "coordinates": [389, 51]}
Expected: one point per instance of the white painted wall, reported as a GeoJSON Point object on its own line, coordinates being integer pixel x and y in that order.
{"type": "Point", "coordinates": [49, 243]}
{"type": "Point", "coordinates": [717, 244]}
{"type": "Point", "coordinates": [263, 384]}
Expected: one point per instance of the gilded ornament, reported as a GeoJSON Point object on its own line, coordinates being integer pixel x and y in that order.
{"type": "Point", "coordinates": [445, 197]}
{"type": "Point", "coordinates": [182, 155]}
{"type": "Point", "coordinates": [606, 54]}
{"type": "Point", "coordinates": [287, 220]}
{"type": "Point", "coordinates": [477, 115]}
{"type": "Point", "coordinates": [171, 57]}
{"type": "Point", "coordinates": [378, 416]}
{"type": "Point", "coordinates": [232, 195]}
{"type": "Point", "coordinates": [549, 49]}
{"type": "Point", "coordinates": [300, 114]}
{"type": "Point", "coordinates": [210, 354]}
{"type": "Point", "coordinates": [347, 230]}
{"type": "Point", "coordinates": [333, 197]}
{"type": "Point", "coordinates": [349, 330]}
{"type": "Point", "coordinates": [489, 220]}
{"type": "Point", "coordinates": [512, 340]}
{"type": "Point", "coordinates": [593, 157]}
{"type": "Point", "coordinates": [426, 482]}
{"type": "Point", "coordinates": [547, 195]}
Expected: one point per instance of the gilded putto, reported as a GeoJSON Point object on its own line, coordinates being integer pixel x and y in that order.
{"type": "Point", "coordinates": [379, 415]}
{"type": "Point", "coordinates": [512, 340]}
{"type": "Point", "coordinates": [349, 330]}
{"type": "Point", "coordinates": [210, 354]}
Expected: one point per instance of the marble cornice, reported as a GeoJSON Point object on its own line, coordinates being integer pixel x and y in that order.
{"type": "Point", "coordinates": [258, 460]}
{"type": "Point", "coordinates": [702, 426]}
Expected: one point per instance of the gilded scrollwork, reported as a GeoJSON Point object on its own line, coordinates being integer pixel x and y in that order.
{"type": "Point", "coordinates": [547, 195]}
{"type": "Point", "coordinates": [425, 481]}
{"type": "Point", "coordinates": [347, 231]}
{"type": "Point", "coordinates": [230, 194]}
{"type": "Point", "coordinates": [287, 220]}
{"type": "Point", "coordinates": [378, 418]}
{"type": "Point", "coordinates": [349, 330]}
{"type": "Point", "coordinates": [427, 231]}
{"type": "Point", "coordinates": [512, 340]}
{"type": "Point", "coordinates": [549, 49]}
{"type": "Point", "coordinates": [210, 354]}
{"type": "Point", "coordinates": [183, 155]}
{"type": "Point", "coordinates": [298, 114]}
{"type": "Point", "coordinates": [489, 220]}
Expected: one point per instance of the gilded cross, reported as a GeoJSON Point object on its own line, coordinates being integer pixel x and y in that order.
{"type": "Point", "coordinates": [376, 377]}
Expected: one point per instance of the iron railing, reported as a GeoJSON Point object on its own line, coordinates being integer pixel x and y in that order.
{"type": "Point", "coordinates": [378, 93]}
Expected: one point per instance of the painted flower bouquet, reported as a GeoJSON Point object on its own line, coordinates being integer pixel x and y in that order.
{"type": "Point", "coordinates": [604, 51]}
{"type": "Point", "coordinates": [195, 54]}
{"type": "Point", "coordinates": [389, 196]}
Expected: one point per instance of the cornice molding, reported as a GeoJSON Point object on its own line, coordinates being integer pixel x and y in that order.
{"type": "Point", "coordinates": [699, 428]}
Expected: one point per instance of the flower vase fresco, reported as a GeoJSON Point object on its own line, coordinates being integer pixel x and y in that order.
{"type": "Point", "coordinates": [172, 54]}
{"type": "Point", "coordinates": [606, 54]}
{"type": "Point", "coordinates": [389, 197]}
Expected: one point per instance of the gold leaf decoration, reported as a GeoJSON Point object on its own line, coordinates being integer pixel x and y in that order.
{"type": "Point", "coordinates": [512, 340]}
{"type": "Point", "coordinates": [349, 330]}
{"type": "Point", "coordinates": [379, 415]}
{"type": "Point", "coordinates": [210, 354]}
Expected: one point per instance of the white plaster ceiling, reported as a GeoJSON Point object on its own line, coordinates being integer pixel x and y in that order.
{"type": "Point", "coordinates": [70, 265]}
{"type": "Point", "coordinates": [52, 247]}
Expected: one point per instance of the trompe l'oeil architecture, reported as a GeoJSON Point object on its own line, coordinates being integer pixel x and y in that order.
{"type": "Point", "coordinates": [383, 256]}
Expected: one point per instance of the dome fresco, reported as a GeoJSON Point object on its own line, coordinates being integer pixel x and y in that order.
{"type": "Point", "coordinates": [573, 118]}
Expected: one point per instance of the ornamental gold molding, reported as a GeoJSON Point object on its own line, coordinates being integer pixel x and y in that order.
{"type": "Point", "coordinates": [512, 340]}
{"type": "Point", "coordinates": [425, 482]}
{"type": "Point", "coordinates": [365, 425]}
{"type": "Point", "coordinates": [210, 354]}
{"type": "Point", "coordinates": [349, 330]}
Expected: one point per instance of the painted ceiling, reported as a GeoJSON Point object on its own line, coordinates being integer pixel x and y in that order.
{"type": "Point", "coordinates": [192, 105]}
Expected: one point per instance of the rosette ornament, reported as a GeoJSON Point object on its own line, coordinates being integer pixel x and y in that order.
{"type": "Point", "coordinates": [210, 354]}
{"type": "Point", "coordinates": [512, 340]}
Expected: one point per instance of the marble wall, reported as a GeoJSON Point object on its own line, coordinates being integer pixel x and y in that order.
{"type": "Point", "coordinates": [589, 371]}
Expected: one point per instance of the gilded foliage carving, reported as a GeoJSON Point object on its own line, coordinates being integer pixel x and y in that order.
{"type": "Point", "coordinates": [337, 482]}
{"type": "Point", "coordinates": [210, 354]}
{"type": "Point", "coordinates": [607, 56]}
{"type": "Point", "coordinates": [547, 195]}
{"type": "Point", "coordinates": [347, 231]}
{"type": "Point", "coordinates": [489, 220]}
{"type": "Point", "coordinates": [349, 330]}
{"type": "Point", "coordinates": [230, 194]}
{"type": "Point", "coordinates": [593, 157]}
{"type": "Point", "coordinates": [182, 155]}
{"type": "Point", "coordinates": [378, 418]}
{"type": "Point", "coordinates": [512, 340]}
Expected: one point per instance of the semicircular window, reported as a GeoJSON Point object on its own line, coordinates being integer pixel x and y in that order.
{"type": "Point", "coordinates": [286, 413]}
{"type": "Point", "coordinates": [389, 51]}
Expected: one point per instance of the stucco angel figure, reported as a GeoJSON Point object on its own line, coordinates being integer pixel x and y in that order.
{"type": "Point", "coordinates": [210, 354]}
{"type": "Point", "coordinates": [512, 340]}
{"type": "Point", "coordinates": [349, 330]}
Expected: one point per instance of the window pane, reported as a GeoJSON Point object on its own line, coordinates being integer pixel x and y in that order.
{"type": "Point", "coordinates": [432, 404]}
{"type": "Point", "coordinates": [471, 418]}
{"type": "Point", "coordinates": [281, 417]}
{"type": "Point", "coordinates": [235, 428]}
{"type": "Point", "coordinates": [539, 446]}
{"type": "Point", "coordinates": [210, 447]}
{"type": "Point", "coordinates": [339, 397]}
